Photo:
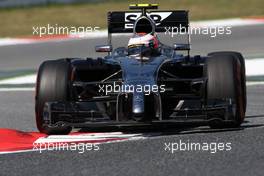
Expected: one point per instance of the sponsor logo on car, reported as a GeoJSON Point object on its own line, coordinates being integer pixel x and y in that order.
{"type": "Point", "coordinates": [158, 17]}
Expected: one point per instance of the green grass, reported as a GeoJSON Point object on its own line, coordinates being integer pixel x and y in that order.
{"type": "Point", "coordinates": [19, 21]}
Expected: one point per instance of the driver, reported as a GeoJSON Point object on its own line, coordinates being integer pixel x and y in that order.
{"type": "Point", "coordinates": [143, 44]}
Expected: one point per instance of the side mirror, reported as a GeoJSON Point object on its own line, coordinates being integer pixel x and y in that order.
{"type": "Point", "coordinates": [104, 48]}
{"type": "Point", "coordinates": [182, 47]}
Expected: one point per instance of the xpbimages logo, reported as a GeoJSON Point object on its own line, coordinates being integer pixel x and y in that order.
{"type": "Point", "coordinates": [62, 30]}
{"type": "Point", "coordinates": [183, 146]}
{"type": "Point", "coordinates": [116, 88]}
{"type": "Point", "coordinates": [212, 31]}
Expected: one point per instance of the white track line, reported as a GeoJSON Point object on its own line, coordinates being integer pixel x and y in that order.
{"type": "Point", "coordinates": [16, 89]}
{"type": "Point", "coordinates": [28, 79]}
{"type": "Point", "coordinates": [227, 22]}
{"type": "Point", "coordinates": [85, 137]}
{"type": "Point", "coordinates": [254, 67]}
{"type": "Point", "coordinates": [254, 83]}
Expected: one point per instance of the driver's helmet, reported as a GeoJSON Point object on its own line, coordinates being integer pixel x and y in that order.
{"type": "Point", "coordinates": [143, 43]}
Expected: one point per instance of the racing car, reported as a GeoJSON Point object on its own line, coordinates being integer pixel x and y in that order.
{"type": "Point", "coordinates": [144, 83]}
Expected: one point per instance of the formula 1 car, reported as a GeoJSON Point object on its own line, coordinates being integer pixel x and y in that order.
{"type": "Point", "coordinates": [139, 84]}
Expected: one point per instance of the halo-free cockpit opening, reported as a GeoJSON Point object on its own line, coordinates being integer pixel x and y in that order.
{"type": "Point", "coordinates": [144, 25]}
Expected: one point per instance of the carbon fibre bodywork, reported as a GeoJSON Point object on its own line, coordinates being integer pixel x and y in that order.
{"type": "Point", "coordinates": [184, 98]}
{"type": "Point", "coordinates": [144, 89]}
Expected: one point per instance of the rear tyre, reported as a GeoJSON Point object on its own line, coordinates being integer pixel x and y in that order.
{"type": "Point", "coordinates": [52, 85]}
{"type": "Point", "coordinates": [224, 73]}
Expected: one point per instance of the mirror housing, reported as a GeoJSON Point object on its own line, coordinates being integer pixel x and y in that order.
{"type": "Point", "coordinates": [104, 48]}
{"type": "Point", "coordinates": [181, 47]}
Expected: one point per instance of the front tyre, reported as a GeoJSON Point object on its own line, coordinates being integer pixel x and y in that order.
{"type": "Point", "coordinates": [52, 85]}
{"type": "Point", "coordinates": [241, 59]}
{"type": "Point", "coordinates": [225, 83]}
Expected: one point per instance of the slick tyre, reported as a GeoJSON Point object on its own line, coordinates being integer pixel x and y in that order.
{"type": "Point", "coordinates": [243, 71]}
{"type": "Point", "coordinates": [52, 85]}
{"type": "Point", "coordinates": [224, 72]}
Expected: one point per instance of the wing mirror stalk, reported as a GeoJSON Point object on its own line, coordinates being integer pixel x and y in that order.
{"type": "Point", "coordinates": [181, 47]}
{"type": "Point", "coordinates": [104, 48]}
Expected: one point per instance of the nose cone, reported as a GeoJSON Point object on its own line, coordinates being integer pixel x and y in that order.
{"type": "Point", "coordinates": [144, 24]}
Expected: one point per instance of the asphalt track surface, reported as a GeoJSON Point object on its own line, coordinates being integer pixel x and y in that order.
{"type": "Point", "coordinates": [141, 157]}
